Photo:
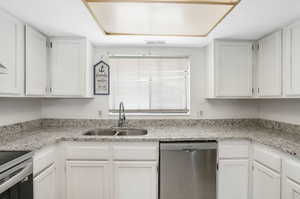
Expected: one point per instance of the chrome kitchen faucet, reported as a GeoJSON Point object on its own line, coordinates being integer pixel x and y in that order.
{"type": "Point", "coordinates": [122, 117]}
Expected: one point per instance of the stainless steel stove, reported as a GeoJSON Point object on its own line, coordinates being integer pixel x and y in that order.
{"type": "Point", "coordinates": [16, 180]}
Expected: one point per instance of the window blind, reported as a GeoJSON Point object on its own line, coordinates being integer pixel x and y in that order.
{"type": "Point", "coordinates": [150, 84]}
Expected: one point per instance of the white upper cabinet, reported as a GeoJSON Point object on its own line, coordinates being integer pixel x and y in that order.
{"type": "Point", "coordinates": [230, 65]}
{"type": "Point", "coordinates": [292, 60]}
{"type": "Point", "coordinates": [11, 55]}
{"type": "Point", "coordinates": [269, 66]}
{"type": "Point", "coordinates": [36, 63]}
{"type": "Point", "coordinates": [70, 67]}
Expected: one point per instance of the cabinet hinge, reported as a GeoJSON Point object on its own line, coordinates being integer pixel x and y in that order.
{"type": "Point", "coordinates": [49, 44]}
{"type": "Point", "coordinates": [255, 46]}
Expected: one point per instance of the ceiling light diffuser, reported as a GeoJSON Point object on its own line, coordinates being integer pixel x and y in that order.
{"type": "Point", "coordinates": [191, 18]}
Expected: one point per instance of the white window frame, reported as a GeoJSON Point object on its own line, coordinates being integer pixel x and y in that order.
{"type": "Point", "coordinates": [172, 112]}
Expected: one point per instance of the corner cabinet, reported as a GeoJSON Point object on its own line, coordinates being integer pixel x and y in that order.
{"type": "Point", "coordinates": [70, 67]}
{"type": "Point", "coordinates": [11, 55]}
{"type": "Point", "coordinates": [266, 182]}
{"type": "Point", "coordinates": [269, 66]}
{"type": "Point", "coordinates": [292, 60]}
{"type": "Point", "coordinates": [230, 65]}
{"type": "Point", "coordinates": [36, 62]}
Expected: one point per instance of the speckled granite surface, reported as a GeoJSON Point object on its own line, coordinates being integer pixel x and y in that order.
{"type": "Point", "coordinates": [53, 131]}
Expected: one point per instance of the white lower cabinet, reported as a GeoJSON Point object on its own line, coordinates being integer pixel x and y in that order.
{"type": "Point", "coordinates": [233, 179]}
{"type": "Point", "coordinates": [111, 170]}
{"type": "Point", "coordinates": [44, 184]}
{"type": "Point", "coordinates": [291, 182]}
{"type": "Point", "coordinates": [292, 190]}
{"type": "Point", "coordinates": [135, 179]}
{"type": "Point", "coordinates": [266, 182]}
{"type": "Point", "coordinates": [87, 179]}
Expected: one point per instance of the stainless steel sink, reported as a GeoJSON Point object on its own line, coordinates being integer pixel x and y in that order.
{"type": "Point", "coordinates": [101, 132]}
{"type": "Point", "coordinates": [116, 132]}
{"type": "Point", "coordinates": [131, 132]}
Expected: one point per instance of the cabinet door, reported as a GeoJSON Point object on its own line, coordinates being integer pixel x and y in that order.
{"type": "Point", "coordinates": [292, 59]}
{"type": "Point", "coordinates": [292, 190]}
{"type": "Point", "coordinates": [266, 183]}
{"type": "Point", "coordinates": [233, 69]}
{"type": "Point", "coordinates": [36, 63]}
{"type": "Point", "coordinates": [270, 65]}
{"type": "Point", "coordinates": [67, 67]}
{"type": "Point", "coordinates": [233, 179]}
{"type": "Point", "coordinates": [135, 180]}
{"type": "Point", "coordinates": [44, 184]}
{"type": "Point", "coordinates": [11, 59]}
{"type": "Point", "coordinates": [88, 179]}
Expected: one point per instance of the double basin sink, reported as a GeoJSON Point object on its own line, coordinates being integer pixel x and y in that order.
{"type": "Point", "coordinates": [116, 132]}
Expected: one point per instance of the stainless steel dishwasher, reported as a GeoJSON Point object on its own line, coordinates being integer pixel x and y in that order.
{"type": "Point", "coordinates": [188, 170]}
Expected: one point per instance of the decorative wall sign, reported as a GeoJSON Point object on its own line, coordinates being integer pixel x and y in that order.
{"type": "Point", "coordinates": [101, 78]}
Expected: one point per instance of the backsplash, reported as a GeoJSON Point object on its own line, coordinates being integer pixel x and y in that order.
{"type": "Point", "coordinates": [94, 123]}
{"type": "Point", "coordinates": [20, 127]}
{"type": "Point", "coordinates": [143, 123]}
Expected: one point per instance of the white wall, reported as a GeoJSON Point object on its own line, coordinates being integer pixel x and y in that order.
{"type": "Point", "coordinates": [14, 110]}
{"type": "Point", "coordinates": [82, 108]}
{"type": "Point", "coordinates": [284, 110]}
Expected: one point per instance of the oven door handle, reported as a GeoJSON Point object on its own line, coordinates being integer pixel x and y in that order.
{"type": "Point", "coordinates": [24, 171]}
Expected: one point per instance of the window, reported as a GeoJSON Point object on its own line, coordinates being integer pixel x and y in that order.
{"type": "Point", "coordinates": [150, 84]}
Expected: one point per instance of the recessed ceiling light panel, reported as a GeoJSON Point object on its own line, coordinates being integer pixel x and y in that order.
{"type": "Point", "coordinates": [194, 18]}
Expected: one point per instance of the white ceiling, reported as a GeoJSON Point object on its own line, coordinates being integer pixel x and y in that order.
{"type": "Point", "coordinates": [251, 19]}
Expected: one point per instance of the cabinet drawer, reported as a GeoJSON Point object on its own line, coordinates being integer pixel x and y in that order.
{"type": "Point", "coordinates": [43, 159]}
{"type": "Point", "coordinates": [135, 151]}
{"type": "Point", "coordinates": [88, 151]}
{"type": "Point", "coordinates": [267, 157]}
{"type": "Point", "coordinates": [234, 149]}
{"type": "Point", "coordinates": [292, 170]}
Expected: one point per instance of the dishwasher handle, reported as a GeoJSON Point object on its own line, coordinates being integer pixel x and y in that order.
{"type": "Point", "coordinates": [187, 146]}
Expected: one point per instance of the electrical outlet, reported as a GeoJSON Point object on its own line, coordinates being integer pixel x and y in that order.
{"type": "Point", "coordinates": [100, 113]}
{"type": "Point", "coordinates": [200, 113]}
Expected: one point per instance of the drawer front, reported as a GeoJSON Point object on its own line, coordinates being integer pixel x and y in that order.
{"type": "Point", "coordinates": [234, 149]}
{"type": "Point", "coordinates": [267, 157]}
{"type": "Point", "coordinates": [292, 170]}
{"type": "Point", "coordinates": [135, 151]}
{"type": "Point", "coordinates": [88, 151]}
{"type": "Point", "coordinates": [43, 159]}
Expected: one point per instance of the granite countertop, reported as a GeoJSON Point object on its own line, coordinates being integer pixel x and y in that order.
{"type": "Point", "coordinates": [36, 139]}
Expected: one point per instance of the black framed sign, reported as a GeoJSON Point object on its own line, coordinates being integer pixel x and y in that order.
{"type": "Point", "coordinates": [101, 78]}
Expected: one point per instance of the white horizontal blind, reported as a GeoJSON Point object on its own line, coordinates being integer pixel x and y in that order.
{"type": "Point", "coordinates": [150, 84]}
